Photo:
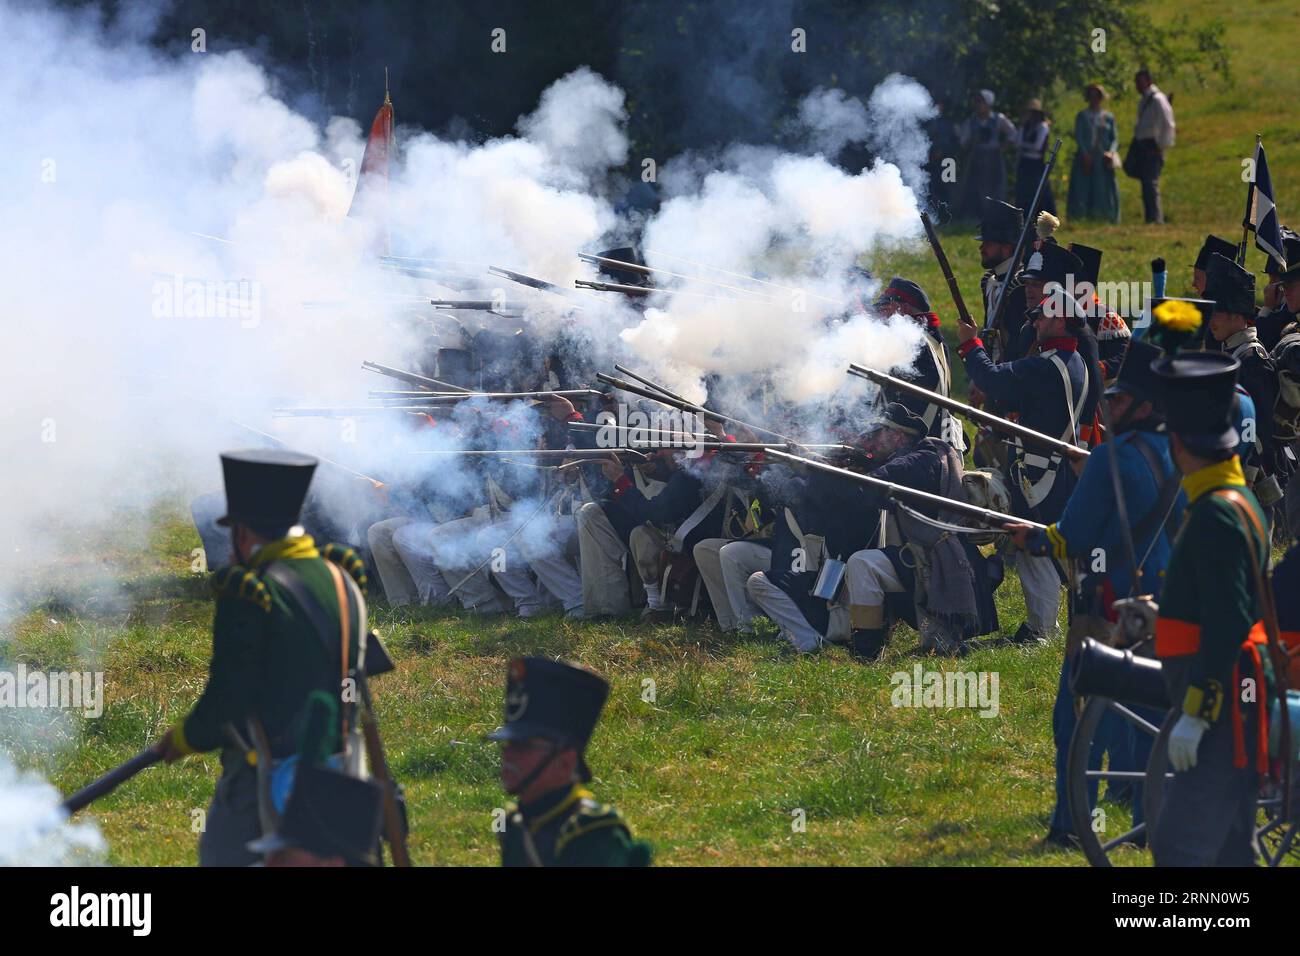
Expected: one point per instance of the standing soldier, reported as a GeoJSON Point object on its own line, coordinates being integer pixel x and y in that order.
{"type": "Point", "coordinates": [1091, 523]}
{"type": "Point", "coordinates": [551, 710]}
{"type": "Point", "coordinates": [1232, 289]}
{"type": "Point", "coordinates": [1047, 389]}
{"type": "Point", "coordinates": [270, 650]}
{"type": "Point", "coordinates": [1206, 630]}
{"type": "Point", "coordinates": [1000, 228]}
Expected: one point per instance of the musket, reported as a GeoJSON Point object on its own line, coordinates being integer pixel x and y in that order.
{"type": "Point", "coordinates": [683, 405]}
{"type": "Point", "coordinates": [378, 759]}
{"type": "Point", "coordinates": [532, 283]}
{"type": "Point", "coordinates": [351, 411]}
{"type": "Point", "coordinates": [329, 461]}
{"type": "Point", "coordinates": [584, 454]}
{"type": "Point", "coordinates": [744, 446]}
{"type": "Point", "coordinates": [632, 290]}
{"type": "Point", "coordinates": [962, 312]}
{"type": "Point", "coordinates": [976, 415]}
{"type": "Point", "coordinates": [648, 270]}
{"type": "Point", "coordinates": [411, 378]}
{"type": "Point", "coordinates": [646, 382]}
{"type": "Point", "coordinates": [656, 434]}
{"type": "Point", "coordinates": [478, 305]}
{"type": "Point", "coordinates": [904, 494]}
{"type": "Point", "coordinates": [102, 786]}
{"type": "Point", "coordinates": [445, 398]}
{"type": "Point", "coordinates": [994, 323]}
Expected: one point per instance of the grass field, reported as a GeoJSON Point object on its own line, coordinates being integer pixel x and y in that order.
{"type": "Point", "coordinates": [735, 741]}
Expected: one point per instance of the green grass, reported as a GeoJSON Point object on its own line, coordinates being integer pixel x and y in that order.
{"type": "Point", "coordinates": [736, 739]}
{"type": "Point", "coordinates": [711, 771]}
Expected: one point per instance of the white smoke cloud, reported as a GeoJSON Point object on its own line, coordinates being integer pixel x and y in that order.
{"type": "Point", "coordinates": [33, 829]}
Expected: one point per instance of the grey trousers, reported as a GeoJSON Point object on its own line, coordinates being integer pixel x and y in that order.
{"type": "Point", "coordinates": [647, 544]}
{"type": "Point", "coordinates": [555, 562]}
{"type": "Point", "coordinates": [780, 607]}
{"type": "Point", "coordinates": [1042, 587]}
{"type": "Point", "coordinates": [399, 586]}
{"type": "Point", "coordinates": [441, 556]}
{"type": "Point", "coordinates": [725, 567]}
{"type": "Point", "coordinates": [1208, 815]}
{"type": "Point", "coordinates": [601, 556]}
{"type": "Point", "coordinates": [232, 821]}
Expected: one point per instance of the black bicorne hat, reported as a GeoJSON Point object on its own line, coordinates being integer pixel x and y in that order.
{"type": "Point", "coordinates": [1054, 263]}
{"type": "Point", "coordinates": [1214, 245]}
{"type": "Point", "coordinates": [1000, 222]}
{"type": "Point", "coordinates": [553, 700]}
{"type": "Point", "coordinates": [1199, 396]}
{"type": "Point", "coordinates": [329, 814]}
{"type": "Point", "coordinates": [1136, 377]}
{"type": "Point", "coordinates": [1090, 263]}
{"type": "Point", "coordinates": [1229, 286]}
{"type": "Point", "coordinates": [265, 487]}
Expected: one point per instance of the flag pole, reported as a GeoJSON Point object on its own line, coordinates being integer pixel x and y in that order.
{"type": "Point", "coordinates": [1250, 202]}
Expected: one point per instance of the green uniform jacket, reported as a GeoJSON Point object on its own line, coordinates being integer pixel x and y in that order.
{"type": "Point", "coordinates": [569, 828]}
{"type": "Point", "coordinates": [1208, 604]}
{"type": "Point", "coordinates": [266, 657]}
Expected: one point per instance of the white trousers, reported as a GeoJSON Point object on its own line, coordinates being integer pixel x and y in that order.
{"type": "Point", "coordinates": [725, 567]}
{"type": "Point", "coordinates": [399, 586]}
{"type": "Point", "coordinates": [600, 558]}
{"type": "Point", "coordinates": [869, 576]}
{"type": "Point", "coordinates": [441, 557]}
{"type": "Point", "coordinates": [555, 562]}
{"type": "Point", "coordinates": [1042, 587]}
{"type": "Point", "coordinates": [781, 608]}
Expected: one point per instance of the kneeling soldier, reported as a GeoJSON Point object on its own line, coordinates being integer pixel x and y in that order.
{"type": "Point", "coordinates": [551, 710]}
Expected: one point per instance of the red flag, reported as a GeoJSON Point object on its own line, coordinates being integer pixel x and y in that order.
{"type": "Point", "coordinates": [371, 193]}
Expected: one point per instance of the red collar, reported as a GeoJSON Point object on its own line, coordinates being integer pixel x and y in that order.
{"type": "Point", "coordinates": [1062, 343]}
{"type": "Point", "coordinates": [930, 319]}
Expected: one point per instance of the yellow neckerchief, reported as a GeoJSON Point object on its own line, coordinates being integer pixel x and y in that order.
{"type": "Point", "coordinates": [577, 793]}
{"type": "Point", "coordinates": [285, 549]}
{"type": "Point", "coordinates": [1213, 476]}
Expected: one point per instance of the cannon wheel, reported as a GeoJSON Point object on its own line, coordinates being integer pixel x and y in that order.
{"type": "Point", "coordinates": [1079, 776]}
{"type": "Point", "coordinates": [1275, 838]}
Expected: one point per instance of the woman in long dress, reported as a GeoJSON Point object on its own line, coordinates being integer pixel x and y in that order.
{"type": "Point", "coordinates": [985, 135]}
{"type": "Point", "coordinates": [1094, 193]}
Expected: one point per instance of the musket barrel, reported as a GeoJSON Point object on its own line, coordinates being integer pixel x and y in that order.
{"type": "Point", "coordinates": [410, 377]}
{"type": "Point", "coordinates": [976, 415]}
{"type": "Point", "coordinates": [106, 784]}
{"type": "Point", "coordinates": [908, 494]}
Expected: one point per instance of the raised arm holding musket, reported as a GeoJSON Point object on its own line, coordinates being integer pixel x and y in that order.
{"type": "Point", "coordinates": [1046, 390]}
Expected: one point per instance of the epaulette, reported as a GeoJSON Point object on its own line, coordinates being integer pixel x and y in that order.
{"type": "Point", "coordinates": [588, 817]}
{"type": "Point", "coordinates": [348, 560]}
{"type": "Point", "coordinates": [236, 581]}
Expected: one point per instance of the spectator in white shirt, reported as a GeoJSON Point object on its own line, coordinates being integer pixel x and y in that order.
{"type": "Point", "coordinates": [1152, 135]}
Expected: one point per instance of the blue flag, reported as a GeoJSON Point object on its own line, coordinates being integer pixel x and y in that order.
{"type": "Point", "coordinates": [1263, 216]}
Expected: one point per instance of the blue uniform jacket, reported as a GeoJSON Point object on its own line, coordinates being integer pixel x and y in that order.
{"type": "Point", "coordinates": [1032, 387]}
{"type": "Point", "coordinates": [1091, 519]}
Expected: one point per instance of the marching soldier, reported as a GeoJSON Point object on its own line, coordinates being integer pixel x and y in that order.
{"type": "Point", "coordinates": [1047, 390]}
{"type": "Point", "coordinates": [551, 711]}
{"type": "Point", "coordinates": [1091, 521]}
{"type": "Point", "coordinates": [1206, 633]}
{"type": "Point", "coordinates": [279, 633]}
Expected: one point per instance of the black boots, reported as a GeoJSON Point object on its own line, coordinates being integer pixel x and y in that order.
{"type": "Point", "coordinates": [868, 645]}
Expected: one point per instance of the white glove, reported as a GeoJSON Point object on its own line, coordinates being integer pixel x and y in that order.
{"type": "Point", "coordinates": [1183, 741]}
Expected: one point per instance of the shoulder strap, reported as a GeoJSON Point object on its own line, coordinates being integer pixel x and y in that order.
{"type": "Point", "coordinates": [1059, 362]}
{"type": "Point", "coordinates": [1268, 613]}
{"type": "Point", "coordinates": [316, 613]}
{"type": "Point", "coordinates": [1153, 521]}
